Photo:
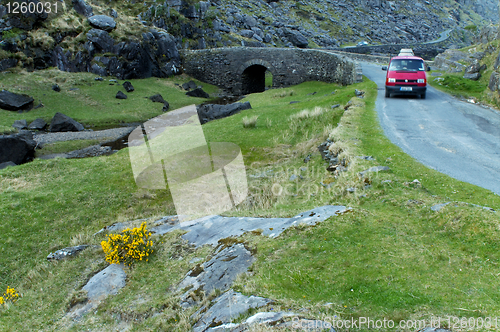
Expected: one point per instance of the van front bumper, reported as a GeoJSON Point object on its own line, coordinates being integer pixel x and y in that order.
{"type": "Point", "coordinates": [405, 90]}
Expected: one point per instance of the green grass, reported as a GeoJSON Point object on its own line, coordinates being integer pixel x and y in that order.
{"type": "Point", "coordinates": [456, 85]}
{"type": "Point", "coordinates": [91, 102]}
{"type": "Point", "coordinates": [391, 256]}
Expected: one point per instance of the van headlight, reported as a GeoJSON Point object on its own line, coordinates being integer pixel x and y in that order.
{"type": "Point", "coordinates": [421, 80]}
{"type": "Point", "coordinates": [391, 80]}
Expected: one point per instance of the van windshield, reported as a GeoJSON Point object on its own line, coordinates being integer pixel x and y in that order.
{"type": "Point", "coordinates": [407, 65]}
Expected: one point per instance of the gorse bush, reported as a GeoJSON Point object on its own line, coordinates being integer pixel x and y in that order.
{"type": "Point", "coordinates": [10, 295]}
{"type": "Point", "coordinates": [129, 246]}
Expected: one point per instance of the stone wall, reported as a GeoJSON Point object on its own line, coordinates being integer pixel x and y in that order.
{"type": "Point", "coordinates": [425, 51]}
{"type": "Point", "coordinates": [224, 67]}
{"type": "Point", "coordinates": [381, 59]}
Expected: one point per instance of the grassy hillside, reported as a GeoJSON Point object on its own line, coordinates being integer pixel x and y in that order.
{"type": "Point", "coordinates": [91, 102]}
{"type": "Point", "coordinates": [391, 256]}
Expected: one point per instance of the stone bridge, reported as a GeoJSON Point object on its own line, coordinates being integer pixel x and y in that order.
{"type": "Point", "coordinates": [242, 70]}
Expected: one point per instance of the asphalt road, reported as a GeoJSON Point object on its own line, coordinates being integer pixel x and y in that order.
{"type": "Point", "coordinates": [451, 136]}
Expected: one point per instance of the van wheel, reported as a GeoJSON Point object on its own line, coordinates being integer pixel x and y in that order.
{"type": "Point", "coordinates": [387, 94]}
{"type": "Point", "coordinates": [422, 96]}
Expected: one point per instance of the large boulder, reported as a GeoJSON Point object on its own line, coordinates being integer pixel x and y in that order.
{"type": "Point", "coordinates": [18, 148]}
{"type": "Point", "coordinates": [102, 22]}
{"type": "Point", "coordinates": [15, 102]}
{"type": "Point", "coordinates": [209, 112]}
{"type": "Point", "coordinates": [101, 40]}
{"type": "Point", "coordinates": [62, 123]}
{"type": "Point", "coordinates": [82, 8]}
{"type": "Point", "coordinates": [198, 93]}
{"type": "Point", "coordinates": [473, 68]}
{"type": "Point", "coordinates": [247, 33]}
{"type": "Point", "coordinates": [296, 38]}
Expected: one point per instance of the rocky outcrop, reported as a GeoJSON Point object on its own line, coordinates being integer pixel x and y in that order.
{"type": "Point", "coordinates": [29, 19]}
{"type": "Point", "coordinates": [227, 307]}
{"type": "Point", "coordinates": [179, 24]}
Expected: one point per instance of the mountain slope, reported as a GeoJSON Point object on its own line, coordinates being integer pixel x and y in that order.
{"type": "Point", "coordinates": [62, 39]}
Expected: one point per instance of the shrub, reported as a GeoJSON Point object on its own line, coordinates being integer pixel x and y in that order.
{"type": "Point", "coordinates": [250, 122]}
{"type": "Point", "coordinates": [10, 295]}
{"type": "Point", "coordinates": [129, 246]}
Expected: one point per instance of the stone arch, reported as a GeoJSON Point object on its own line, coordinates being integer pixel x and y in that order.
{"type": "Point", "coordinates": [253, 75]}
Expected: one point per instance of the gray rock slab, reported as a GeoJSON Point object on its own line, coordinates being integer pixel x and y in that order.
{"type": "Point", "coordinates": [66, 252]}
{"type": "Point", "coordinates": [375, 169]}
{"type": "Point", "coordinates": [309, 325]}
{"type": "Point", "coordinates": [269, 318]}
{"type": "Point", "coordinates": [219, 272]}
{"type": "Point", "coordinates": [438, 207]}
{"type": "Point", "coordinates": [107, 282]}
{"type": "Point", "coordinates": [227, 307]}
{"type": "Point", "coordinates": [211, 229]}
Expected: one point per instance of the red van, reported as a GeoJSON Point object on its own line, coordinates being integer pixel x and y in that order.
{"type": "Point", "coordinates": [406, 76]}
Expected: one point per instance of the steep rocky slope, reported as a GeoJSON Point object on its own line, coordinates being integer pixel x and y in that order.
{"type": "Point", "coordinates": [142, 39]}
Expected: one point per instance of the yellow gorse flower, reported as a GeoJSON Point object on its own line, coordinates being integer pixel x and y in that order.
{"type": "Point", "coordinates": [128, 247]}
{"type": "Point", "coordinates": [10, 295]}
